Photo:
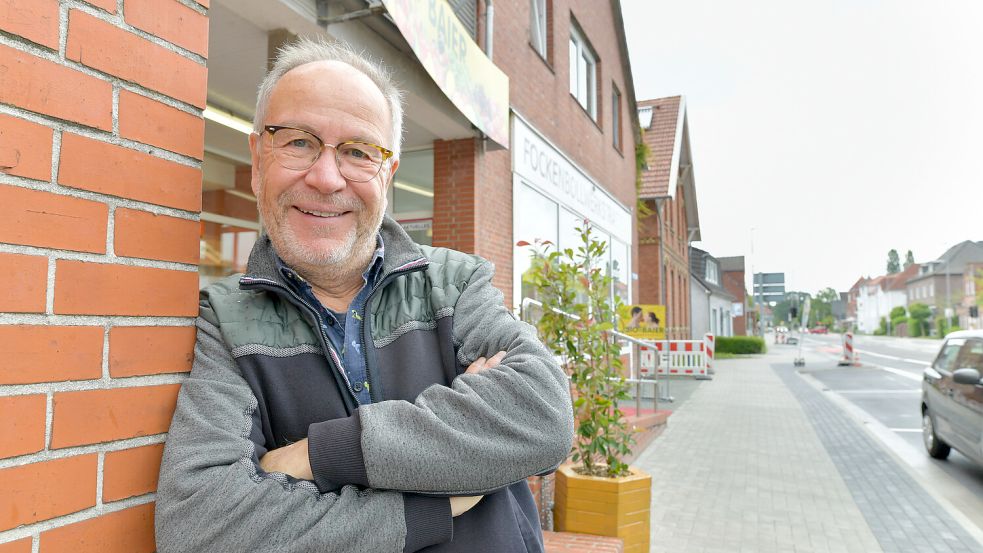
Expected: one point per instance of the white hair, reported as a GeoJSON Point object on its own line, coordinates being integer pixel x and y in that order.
{"type": "Point", "coordinates": [306, 50]}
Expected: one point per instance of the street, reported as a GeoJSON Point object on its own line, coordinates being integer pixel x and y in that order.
{"type": "Point", "coordinates": [885, 393]}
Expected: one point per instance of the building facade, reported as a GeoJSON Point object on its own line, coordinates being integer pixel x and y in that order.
{"type": "Point", "coordinates": [670, 221]}
{"type": "Point", "coordinates": [135, 191]}
{"type": "Point", "coordinates": [733, 281]}
{"type": "Point", "coordinates": [712, 304]}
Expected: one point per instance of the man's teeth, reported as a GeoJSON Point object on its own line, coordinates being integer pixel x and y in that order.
{"type": "Point", "coordinates": [320, 213]}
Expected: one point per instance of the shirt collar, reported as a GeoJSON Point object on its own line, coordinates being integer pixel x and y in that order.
{"type": "Point", "coordinates": [370, 274]}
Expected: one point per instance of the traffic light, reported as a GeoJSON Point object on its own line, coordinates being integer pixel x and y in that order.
{"type": "Point", "coordinates": [793, 312]}
{"type": "Point", "coordinates": [974, 311]}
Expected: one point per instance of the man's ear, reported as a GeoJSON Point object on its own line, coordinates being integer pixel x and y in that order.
{"type": "Point", "coordinates": [254, 146]}
{"type": "Point", "coordinates": [393, 165]}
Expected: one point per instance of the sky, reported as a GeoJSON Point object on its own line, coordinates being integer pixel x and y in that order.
{"type": "Point", "coordinates": [835, 129]}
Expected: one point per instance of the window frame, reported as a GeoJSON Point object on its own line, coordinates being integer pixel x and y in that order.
{"type": "Point", "coordinates": [584, 52]}
{"type": "Point", "coordinates": [616, 121]}
{"type": "Point", "coordinates": [539, 25]}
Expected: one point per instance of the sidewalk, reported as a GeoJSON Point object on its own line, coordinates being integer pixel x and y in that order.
{"type": "Point", "coordinates": [757, 461]}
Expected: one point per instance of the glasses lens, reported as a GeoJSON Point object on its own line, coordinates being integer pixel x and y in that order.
{"type": "Point", "coordinates": [359, 162]}
{"type": "Point", "coordinates": [295, 149]}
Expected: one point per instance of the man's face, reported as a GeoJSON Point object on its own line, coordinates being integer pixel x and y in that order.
{"type": "Point", "coordinates": [315, 216]}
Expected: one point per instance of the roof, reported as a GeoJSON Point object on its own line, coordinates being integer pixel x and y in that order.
{"type": "Point", "coordinates": [664, 139]}
{"type": "Point", "coordinates": [698, 268]}
{"type": "Point", "coordinates": [953, 261]}
{"type": "Point", "coordinates": [732, 263]}
{"type": "Point", "coordinates": [669, 162]}
{"type": "Point", "coordinates": [900, 280]}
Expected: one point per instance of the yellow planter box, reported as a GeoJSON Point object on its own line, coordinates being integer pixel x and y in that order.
{"type": "Point", "coordinates": [617, 507]}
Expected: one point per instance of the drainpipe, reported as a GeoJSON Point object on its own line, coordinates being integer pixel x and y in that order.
{"type": "Point", "coordinates": [489, 27]}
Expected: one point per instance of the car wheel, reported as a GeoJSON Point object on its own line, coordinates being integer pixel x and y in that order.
{"type": "Point", "coordinates": [933, 444]}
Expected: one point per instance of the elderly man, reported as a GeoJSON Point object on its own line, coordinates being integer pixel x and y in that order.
{"type": "Point", "coordinates": [354, 391]}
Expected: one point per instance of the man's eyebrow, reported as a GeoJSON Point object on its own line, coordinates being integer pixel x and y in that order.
{"type": "Point", "coordinates": [308, 128]}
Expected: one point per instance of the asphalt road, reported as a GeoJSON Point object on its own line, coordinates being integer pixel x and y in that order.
{"type": "Point", "coordinates": [887, 389]}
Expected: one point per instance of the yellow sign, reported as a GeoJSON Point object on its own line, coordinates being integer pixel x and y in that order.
{"type": "Point", "coordinates": [462, 71]}
{"type": "Point", "coordinates": [643, 321]}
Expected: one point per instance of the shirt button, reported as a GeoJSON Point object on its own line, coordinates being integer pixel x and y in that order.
{"type": "Point", "coordinates": [357, 387]}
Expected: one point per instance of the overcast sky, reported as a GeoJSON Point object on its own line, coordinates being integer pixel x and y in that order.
{"type": "Point", "coordinates": [838, 129]}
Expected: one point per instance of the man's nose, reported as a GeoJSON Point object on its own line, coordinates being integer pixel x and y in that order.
{"type": "Point", "coordinates": [324, 175]}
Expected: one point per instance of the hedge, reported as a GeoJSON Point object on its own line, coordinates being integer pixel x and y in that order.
{"type": "Point", "coordinates": [740, 344]}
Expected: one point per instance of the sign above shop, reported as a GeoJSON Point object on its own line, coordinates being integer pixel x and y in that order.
{"type": "Point", "coordinates": [540, 163]}
{"type": "Point", "coordinates": [474, 84]}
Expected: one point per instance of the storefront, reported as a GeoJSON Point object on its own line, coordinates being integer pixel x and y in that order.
{"type": "Point", "coordinates": [552, 197]}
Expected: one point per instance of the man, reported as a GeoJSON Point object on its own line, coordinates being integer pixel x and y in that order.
{"type": "Point", "coordinates": [354, 391]}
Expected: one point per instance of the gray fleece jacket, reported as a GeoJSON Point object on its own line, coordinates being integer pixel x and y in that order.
{"type": "Point", "coordinates": [265, 375]}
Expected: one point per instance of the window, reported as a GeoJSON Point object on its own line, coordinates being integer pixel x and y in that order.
{"type": "Point", "coordinates": [583, 72]}
{"type": "Point", "coordinates": [712, 274]}
{"type": "Point", "coordinates": [537, 26]}
{"type": "Point", "coordinates": [615, 117]}
{"type": "Point", "coordinates": [947, 357]}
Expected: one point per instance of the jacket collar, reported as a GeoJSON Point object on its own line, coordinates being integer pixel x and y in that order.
{"type": "Point", "coordinates": [401, 253]}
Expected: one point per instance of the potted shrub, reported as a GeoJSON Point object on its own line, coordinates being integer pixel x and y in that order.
{"type": "Point", "coordinates": [597, 493]}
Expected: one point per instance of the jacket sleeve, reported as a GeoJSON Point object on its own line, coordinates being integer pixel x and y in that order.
{"type": "Point", "coordinates": [483, 432]}
{"type": "Point", "coordinates": [212, 496]}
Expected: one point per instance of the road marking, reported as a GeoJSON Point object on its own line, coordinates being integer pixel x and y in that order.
{"type": "Point", "coordinates": [912, 430]}
{"type": "Point", "coordinates": [879, 392]}
{"type": "Point", "coordinates": [899, 372]}
{"type": "Point", "coordinates": [905, 359]}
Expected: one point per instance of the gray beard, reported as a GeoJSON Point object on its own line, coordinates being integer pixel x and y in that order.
{"type": "Point", "coordinates": [355, 248]}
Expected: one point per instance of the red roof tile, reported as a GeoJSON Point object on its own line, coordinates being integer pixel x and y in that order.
{"type": "Point", "coordinates": [661, 140]}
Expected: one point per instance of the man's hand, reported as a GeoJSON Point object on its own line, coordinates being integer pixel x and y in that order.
{"type": "Point", "coordinates": [463, 504]}
{"type": "Point", "coordinates": [291, 460]}
{"type": "Point", "coordinates": [481, 364]}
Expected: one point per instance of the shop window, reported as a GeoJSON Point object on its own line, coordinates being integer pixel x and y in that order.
{"type": "Point", "coordinates": [411, 195]}
{"type": "Point", "coordinates": [535, 220]}
{"type": "Point", "coordinates": [229, 220]}
{"type": "Point", "coordinates": [583, 72]}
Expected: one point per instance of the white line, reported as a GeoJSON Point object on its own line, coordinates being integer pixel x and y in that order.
{"type": "Point", "coordinates": [879, 392]}
{"type": "Point", "coordinates": [912, 430]}
{"type": "Point", "coordinates": [899, 372]}
{"type": "Point", "coordinates": [905, 359]}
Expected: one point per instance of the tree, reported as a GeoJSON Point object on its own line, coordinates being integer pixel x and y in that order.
{"type": "Point", "coordinates": [919, 315]}
{"type": "Point", "coordinates": [893, 263]}
{"type": "Point", "coordinates": [898, 316]}
{"type": "Point", "coordinates": [909, 259]}
{"type": "Point", "coordinates": [822, 306]}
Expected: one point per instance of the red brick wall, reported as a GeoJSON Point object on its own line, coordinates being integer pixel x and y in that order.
{"type": "Point", "coordinates": [101, 140]}
{"type": "Point", "coordinates": [734, 283]}
{"type": "Point", "coordinates": [675, 256]}
{"type": "Point", "coordinates": [475, 212]}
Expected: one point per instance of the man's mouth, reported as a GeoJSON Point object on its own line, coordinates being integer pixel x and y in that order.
{"type": "Point", "coordinates": [323, 214]}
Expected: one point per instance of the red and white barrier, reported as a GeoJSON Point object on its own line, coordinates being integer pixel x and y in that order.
{"type": "Point", "coordinates": [850, 355]}
{"type": "Point", "coordinates": [682, 357]}
{"type": "Point", "coordinates": [708, 347]}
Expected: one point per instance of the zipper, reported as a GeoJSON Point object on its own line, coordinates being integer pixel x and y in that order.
{"type": "Point", "coordinates": [335, 358]}
{"type": "Point", "coordinates": [366, 318]}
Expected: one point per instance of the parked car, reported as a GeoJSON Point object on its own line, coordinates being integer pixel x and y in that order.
{"type": "Point", "coordinates": [952, 397]}
{"type": "Point", "coordinates": [818, 330]}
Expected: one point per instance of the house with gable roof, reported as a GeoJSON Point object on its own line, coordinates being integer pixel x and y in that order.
{"type": "Point", "coordinates": [668, 190]}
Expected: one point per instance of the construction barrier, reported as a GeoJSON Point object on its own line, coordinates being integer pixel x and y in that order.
{"type": "Point", "coordinates": [708, 346]}
{"type": "Point", "coordinates": [850, 355]}
{"type": "Point", "coordinates": [677, 357]}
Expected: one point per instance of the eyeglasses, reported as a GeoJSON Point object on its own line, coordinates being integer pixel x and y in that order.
{"type": "Point", "coordinates": [297, 149]}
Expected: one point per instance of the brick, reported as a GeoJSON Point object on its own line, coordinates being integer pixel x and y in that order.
{"type": "Point", "coordinates": [152, 122]}
{"type": "Point", "coordinates": [26, 286]}
{"type": "Point", "coordinates": [105, 289]}
{"type": "Point", "coordinates": [19, 546]}
{"type": "Point", "coordinates": [131, 472]}
{"type": "Point", "coordinates": [150, 236]}
{"type": "Point", "coordinates": [109, 169]}
{"type": "Point", "coordinates": [42, 86]}
{"type": "Point", "coordinates": [108, 5]}
{"type": "Point", "coordinates": [95, 416]}
{"type": "Point", "coordinates": [127, 531]}
{"type": "Point", "coordinates": [39, 491]}
{"type": "Point", "coordinates": [25, 148]}
{"type": "Point", "coordinates": [46, 220]}
{"type": "Point", "coordinates": [115, 51]}
{"type": "Point", "coordinates": [22, 420]}
{"type": "Point", "coordinates": [170, 21]}
{"type": "Point", "coordinates": [35, 20]}
{"type": "Point", "coordinates": [142, 350]}
{"type": "Point", "coordinates": [45, 353]}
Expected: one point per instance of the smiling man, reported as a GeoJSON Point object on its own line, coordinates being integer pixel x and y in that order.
{"type": "Point", "coordinates": [354, 391]}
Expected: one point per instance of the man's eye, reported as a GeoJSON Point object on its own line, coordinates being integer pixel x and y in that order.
{"type": "Point", "coordinates": [298, 143]}
{"type": "Point", "coordinates": [356, 153]}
